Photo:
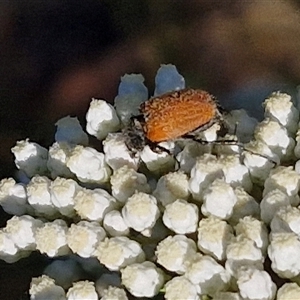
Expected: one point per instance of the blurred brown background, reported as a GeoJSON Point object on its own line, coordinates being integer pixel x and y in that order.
{"type": "Point", "coordinates": [55, 55]}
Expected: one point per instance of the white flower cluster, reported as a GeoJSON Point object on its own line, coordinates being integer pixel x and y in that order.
{"type": "Point", "coordinates": [199, 223]}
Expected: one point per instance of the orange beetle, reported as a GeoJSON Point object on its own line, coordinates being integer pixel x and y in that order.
{"type": "Point", "coordinates": [171, 116]}
{"type": "Point", "coordinates": [175, 114]}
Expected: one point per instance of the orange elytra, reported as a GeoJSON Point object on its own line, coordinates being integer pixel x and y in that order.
{"type": "Point", "coordinates": [171, 116]}
{"type": "Point", "coordinates": [175, 114]}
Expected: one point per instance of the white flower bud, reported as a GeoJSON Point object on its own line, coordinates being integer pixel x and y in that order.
{"type": "Point", "coordinates": [143, 279]}
{"type": "Point", "coordinates": [218, 200]}
{"type": "Point", "coordinates": [254, 230]}
{"type": "Point", "coordinates": [159, 162]}
{"type": "Point", "coordinates": [284, 252]}
{"type": "Point", "coordinates": [213, 237]}
{"type": "Point", "coordinates": [172, 186]}
{"type": "Point", "coordinates": [30, 158]}
{"type": "Point", "coordinates": [93, 204]}
{"type": "Point", "coordinates": [286, 219]}
{"type": "Point", "coordinates": [175, 253]}
{"type": "Point", "coordinates": [140, 212]}
{"type": "Point", "coordinates": [180, 287]}
{"type": "Point", "coordinates": [57, 160]}
{"type": "Point", "coordinates": [9, 252]}
{"type": "Point", "coordinates": [114, 224]}
{"type": "Point", "coordinates": [249, 277]}
{"type": "Point", "coordinates": [229, 146]}
{"type": "Point", "coordinates": [82, 290]}
{"type": "Point", "coordinates": [168, 79]}
{"type": "Point", "coordinates": [246, 205]}
{"type": "Point", "coordinates": [88, 164]}
{"type": "Point", "coordinates": [21, 230]}
{"type": "Point", "coordinates": [118, 252]}
{"type": "Point", "coordinates": [242, 252]}
{"type": "Point", "coordinates": [126, 181]}
{"type": "Point", "coordinates": [39, 196]}
{"type": "Point", "coordinates": [44, 287]}
{"type": "Point", "coordinates": [117, 154]}
{"type": "Point", "coordinates": [84, 237]}
{"type": "Point", "coordinates": [260, 160]}
{"type": "Point", "coordinates": [131, 93]}
{"type": "Point", "coordinates": [63, 192]}
{"type": "Point", "coordinates": [279, 107]}
{"type": "Point", "coordinates": [188, 156]}
{"type": "Point", "coordinates": [101, 119]}
{"type": "Point", "coordinates": [277, 138]}
{"type": "Point", "coordinates": [271, 203]}
{"type": "Point", "coordinates": [209, 276]}
{"type": "Point", "coordinates": [70, 131]}
{"type": "Point", "coordinates": [13, 197]}
{"type": "Point", "coordinates": [114, 293]}
{"type": "Point", "coordinates": [205, 171]}
{"type": "Point", "coordinates": [181, 217]}
{"type": "Point", "coordinates": [51, 238]}
{"type": "Point", "coordinates": [235, 173]}
{"type": "Point", "coordinates": [210, 134]}
{"type": "Point", "coordinates": [284, 179]}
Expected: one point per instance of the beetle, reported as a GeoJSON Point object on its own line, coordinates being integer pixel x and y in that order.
{"type": "Point", "coordinates": [175, 114]}
{"type": "Point", "coordinates": [171, 116]}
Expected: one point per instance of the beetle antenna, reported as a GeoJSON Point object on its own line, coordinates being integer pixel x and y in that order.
{"type": "Point", "coordinates": [230, 142]}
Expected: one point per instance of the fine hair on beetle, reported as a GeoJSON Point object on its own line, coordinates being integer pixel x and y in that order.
{"type": "Point", "coordinates": [178, 115]}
